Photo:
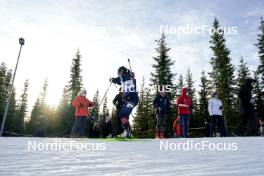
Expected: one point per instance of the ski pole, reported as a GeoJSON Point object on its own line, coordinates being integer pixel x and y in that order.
{"type": "Point", "coordinates": [105, 95]}
{"type": "Point", "coordinates": [131, 72]}
{"type": "Point", "coordinates": [129, 65]}
{"type": "Point", "coordinates": [21, 42]}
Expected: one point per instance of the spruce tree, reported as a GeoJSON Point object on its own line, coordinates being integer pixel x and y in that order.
{"type": "Point", "coordinates": [243, 72]}
{"type": "Point", "coordinates": [96, 101]}
{"type": "Point", "coordinates": [50, 121]}
{"type": "Point", "coordinates": [180, 85]}
{"type": "Point", "coordinates": [75, 83]}
{"type": "Point", "coordinates": [42, 121]}
{"type": "Point", "coordinates": [162, 76]}
{"type": "Point", "coordinates": [22, 109]}
{"type": "Point", "coordinates": [64, 118]}
{"type": "Point", "coordinates": [35, 113]}
{"type": "Point", "coordinates": [115, 121]}
{"type": "Point", "coordinates": [260, 46]}
{"type": "Point", "coordinates": [257, 92]}
{"type": "Point", "coordinates": [12, 109]}
{"type": "Point", "coordinates": [3, 89]}
{"type": "Point", "coordinates": [204, 95]}
{"type": "Point", "coordinates": [141, 120]}
{"type": "Point", "coordinates": [70, 92]}
{"type": "Point", "coordinates": [105, 109]}
{"type": "Point", "coordinates": [43, 93]}
{"type": "Point", "coordinates": [104, 115]}
{"type": "Point", "coordinates": [222, 71]}
{"type": "Point", "coordinates": [11, 114]}
{"type": "Point", "coordinates": [191, 89]}
{"type": "Point", "coordinates": [150, 114]}
{"type": "Point", "coordinates": [40, 112]}
{"type": "Point", "coordinates": [259, 74]}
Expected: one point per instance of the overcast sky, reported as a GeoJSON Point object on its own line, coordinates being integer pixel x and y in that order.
{"type": "Point", "coordinates": [108, 32]}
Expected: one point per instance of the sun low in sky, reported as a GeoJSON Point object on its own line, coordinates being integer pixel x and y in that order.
{"type": "Point", "coordinates": [109, 32]}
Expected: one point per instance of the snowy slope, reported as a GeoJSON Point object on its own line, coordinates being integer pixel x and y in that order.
{"type": "Point", "coordinates": [140, 157]}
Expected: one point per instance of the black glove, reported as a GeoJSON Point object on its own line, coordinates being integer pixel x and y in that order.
{"type": "Point", "coordinates": [111, 79]}
{"type": "Point", "coordinates": [221, 107]}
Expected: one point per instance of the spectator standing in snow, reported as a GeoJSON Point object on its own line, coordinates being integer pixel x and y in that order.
{"type": "Point", "coordinates": [81, 105]}
{"type": "Point", "coordinates": [215, 107]}
{"type": "Point", "coordinates": [260, 114]}
{"type": "Point", "coordinates": [161, 105]}
{"type": "Point", "coordinates": [247, 113]}
{"type": "Point", "coordinates": [118, 101]}
{"type": "Point", "coordinates": [184, 104]}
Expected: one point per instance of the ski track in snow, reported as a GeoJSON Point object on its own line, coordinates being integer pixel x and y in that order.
{"type": "Point", "coordinates": [139, 157]}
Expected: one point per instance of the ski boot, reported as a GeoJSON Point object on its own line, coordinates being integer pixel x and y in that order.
{"type": "Point", "coordinates": [126, 134]}
{"type": "Point", "coordinates": [162, 135]}
{"type": "Point", "coordinates": [157, 135]}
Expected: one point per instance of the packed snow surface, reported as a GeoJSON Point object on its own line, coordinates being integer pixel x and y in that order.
{"type": "Point", "coordinates": [137, 157]}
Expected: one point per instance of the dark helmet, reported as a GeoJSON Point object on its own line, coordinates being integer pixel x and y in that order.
{"type": "Point", "coordinates": [123, 70]}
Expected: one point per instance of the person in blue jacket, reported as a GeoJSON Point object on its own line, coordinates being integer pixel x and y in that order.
{"type": "Point", "coordinates": [161, 105]}
{"type": "Point", "coordinates": [127, 80]}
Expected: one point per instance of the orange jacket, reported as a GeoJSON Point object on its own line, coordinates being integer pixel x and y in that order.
{"type": "Point", "coordinates": [177, 127]}
{"type": "Point", "coordinates": [81, 105]}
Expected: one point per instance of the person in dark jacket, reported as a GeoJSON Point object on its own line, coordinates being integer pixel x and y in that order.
{"type": "Point", "coordinates": [260, 106]}
{"type": "Point", "coordinates": [117, 102]}
{"type": "Point", "coordinates": [246, 112]}
{"type": "Point", "coordinates": [260, 114]}
{"type": "Point", "coordinates": [161, 104]}
{"type": "Point", "coordinates": [107, 127]}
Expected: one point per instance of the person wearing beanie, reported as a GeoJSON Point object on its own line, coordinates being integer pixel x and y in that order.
{"type": "Point", "coordinates": [81, 105]}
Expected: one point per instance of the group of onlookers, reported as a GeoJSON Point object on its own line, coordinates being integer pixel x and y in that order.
{"type": "Point", "coordinates": [214, 124]}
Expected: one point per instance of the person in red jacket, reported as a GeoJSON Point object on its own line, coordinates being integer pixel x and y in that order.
{"type": "Point", "coordinates": [81, 105]}
{"type": "Point", "coordinates": [184, 104]}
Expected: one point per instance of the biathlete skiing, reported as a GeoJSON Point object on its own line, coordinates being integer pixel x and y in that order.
{"type": "Point", "coordinates": [127, 80]}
